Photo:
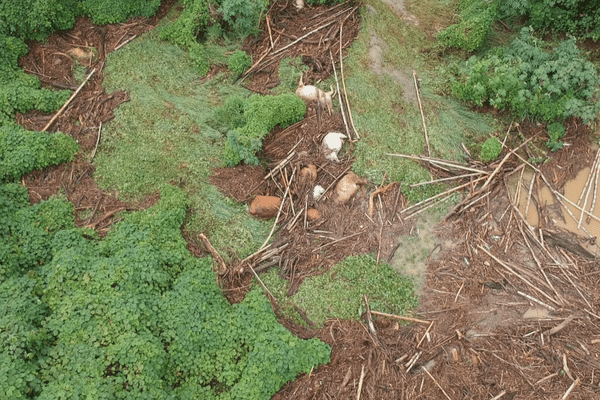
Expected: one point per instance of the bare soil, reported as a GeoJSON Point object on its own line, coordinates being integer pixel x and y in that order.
{"type": "Point", "coordinates": [480, 336]}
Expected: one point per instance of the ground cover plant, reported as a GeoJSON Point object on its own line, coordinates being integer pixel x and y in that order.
{"type": "Point", "coordinates": [169, 132]}
{"type": "Point", "coordinates": [533, 82]}
{"type": "Point", "coordinates": [130, 316]}
{"type": "Point", "coordinates": [337, 294]}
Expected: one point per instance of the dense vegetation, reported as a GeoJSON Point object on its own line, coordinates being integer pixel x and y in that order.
{"type": "Point", "coordinates": [134, 315]}
{"type": "Point", "coordinates": [531, 81]}
{"type": "Point", "coordinates": [577, 17]}
{"type": "Point", "coordinates": [260, 114]}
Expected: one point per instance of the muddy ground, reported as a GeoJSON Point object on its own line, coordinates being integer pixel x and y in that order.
{"type": "Point", "coordinates": [506, 312]}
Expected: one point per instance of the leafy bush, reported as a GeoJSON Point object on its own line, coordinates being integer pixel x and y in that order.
{"type": "Point", "coordinates": [36, 19]}
{"type": "Point", "coordinates": [532, 82]}
{"type": "Point", "coordinates": [239, 62]}
{"type": "Point", "coordinates": [577, 17]}
{"type": "Point", "coordinates": [243, 15]}
{"type": "Point", "coordinates": [491, 149]}
{"type": "Point", "coordinates": [556, 131]}
{"type": "Point", "coordinates": [19, 91]}
{"type": "Point", "coordinates": [230, 115]}
{"type": "Point", "coordinates": [476, 19]}
{"type": "Point", "coordinates": [262, 114]}
{"type": "Point", "coordinates": [23, 151]}
{"type": "Point", "coordinates": [132, 316]}
{"type": "Point", "coordinates": [113, 11]}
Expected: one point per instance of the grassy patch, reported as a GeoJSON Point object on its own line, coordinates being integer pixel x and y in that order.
{"type": "Point", "coordinates": [388, 123]}
{"type": "Point", "coordinates": [338, 293]}
{"type": "Point", "coordinates": [162, 136]}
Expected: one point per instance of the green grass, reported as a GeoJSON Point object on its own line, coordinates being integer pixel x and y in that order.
{"type": "Point", "coordinates": [338, 293]}
{"type": "Point", "coordinates": [162, 137]}
{"type": "Point", "coordinates": [387, 123]}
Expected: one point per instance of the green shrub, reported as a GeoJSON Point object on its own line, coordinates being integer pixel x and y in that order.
{"type": "Point", "coordinates": [23, 151]}
{"type": "Point", "coordinates": [230, 115]}
{"type": "Point", "coordinates": [132, 316]}
{"type": "Point", "coordinates": [578, 17]}
{"type": "Point", "coordinates": [239, 62]}
{"type": "Point", "coordinates": [556, 131]}
{"type": "Point", "coordinates": [19, 91]}
{"type": "Point", "coordinates": [113, 11]}
{"type": "Point", "coordinates": [262, 114]}
{"type": "Point", "coordinates": [476, 19]}
{"type": "Point", "coordinates": [244, 15]}
{"type": "Point", "coordinates": [491, 149]}
{"type": "Point", "coordinates": [532, 82]}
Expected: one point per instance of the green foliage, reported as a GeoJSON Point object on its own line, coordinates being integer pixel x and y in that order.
{"type": "Point", "coordinates": [338, 293]}
{"type": "Point", "coordinates": [290, 70]}
{"type": "Point", "coordinates": [491, 149]}
{"type": "Point", "coordinates": [556, 131]}
{"type": "Point", "coordinates": [476, 19]}
{"type": "Point", "coordinates": [196, 22]}
{"type": "Point", "coordinates": [19, 91]}
{"type": "Point", "coordinates": [532, 82]}
{"type": "Point", "coordinates": [194, 19]}
{"type": "Point", "coordinates": [243, 15]}
{"type": "Point", "coordinates": [133, 316]}
{"type": "Point", "coordinates": [230, 115]}
{"type": "Point", "coordinates": [36, 19]}
{"type": "Point", "coordinates": [578, 17]}
{"type": "Point", "coordinates": [262, 113]}
{"type": "Point", "coordinates": [239, 62]}
{"type": "Point", "coordinates": [113, 11]}
{"type": "Point", "coordinates": [23, 151]}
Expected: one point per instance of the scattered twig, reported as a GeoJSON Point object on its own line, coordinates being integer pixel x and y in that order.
{"type": "Point", "coordinates": [214, 253]}
{"type": "Point", "coordinates": [344, 83]}
{"type": "Point", "coordinates": [339, 93]}
{"type": "Point", "coordinates": [568, 392]}
{"type": "Point", "coordinates": [336, 241]}
{"type": "Point", "coordinates": [425, 334]}
{"type": "Point", "coordinates": [544, 379]}
{"type": "Point", "coordinates": [269, 29]}
{"type": "Point", "coordinates": [409, 319]}
{"type": "Point", "coordinates": [106, 216]}
{"type": "Point", "coordinates": [279, 166]}
{"type": "Point", "coordinates": [533, 178]}
{"type": "Point", "coordinates": [411, 363]}
{"type": "Point", "coordinates": [566, 367]}
{"type": "Point", "coordinates": [60, 111]}
{"type": "Point", "coordinates": [422, 115]}
{"type": "Point", "coordinates": [360, 382]}
{"type": "Point", "coordinates": [302, 37]}
{"type": "Point", "coordinates": [441, 162]}
{"type": "Point", "coordinates": [262, 284]}
{"type": "Point", "coordinates": [125, 42]}
{"type": "Point", "coordinates": [506, 157]}
{"type": "Point", "coordinates": [499, 395]}
{"type": "Point", "coordinates": [264, 245]}
{"type": "Point", "coordinates": [560, 326]}
{"type": "Point", "coordinates": [436, 382]}
{"type": "Point", "coordinates": [97, 141]}
{"type": "Point", "coordinates": [450, 178]}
